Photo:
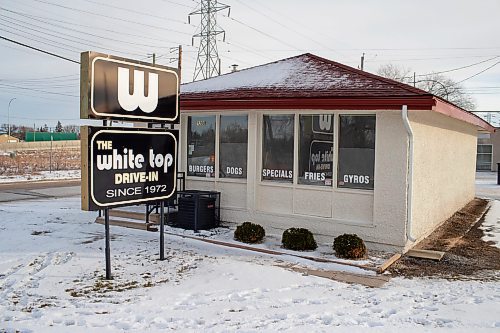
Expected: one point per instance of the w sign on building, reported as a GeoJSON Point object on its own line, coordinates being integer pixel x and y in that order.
{"type": "Point", "coordinates": [117, 88]}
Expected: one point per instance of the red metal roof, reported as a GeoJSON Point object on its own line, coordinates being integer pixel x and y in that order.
{"type": "Point", "coordinates": [311, 82]}
{"type": "Point", "coordinates": [305, 75]}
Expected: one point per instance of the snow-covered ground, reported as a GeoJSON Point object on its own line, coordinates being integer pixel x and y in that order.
{"type": "Point", "coordinates": [51, 280]}
{"type": "Point", "coordinates": [42, 175]}
{"type": "Point", "coordinates": [491, 224]}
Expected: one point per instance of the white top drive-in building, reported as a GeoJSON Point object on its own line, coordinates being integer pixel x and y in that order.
{"type": "Point", "coordinates": [308, 142]}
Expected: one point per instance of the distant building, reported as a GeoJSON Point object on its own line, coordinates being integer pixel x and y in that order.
{"type": "Point", "coordinates": [50, 136]}
{"type": "Point", "coordinates": [5, 138]}
{"type": "Point", "coordinates": [488, 151]}
{"type": "Point", "coordinates": [309, 142]}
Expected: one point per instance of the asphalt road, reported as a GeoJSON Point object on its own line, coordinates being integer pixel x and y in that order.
{"type": "Point", "coordinates": [40, 189]}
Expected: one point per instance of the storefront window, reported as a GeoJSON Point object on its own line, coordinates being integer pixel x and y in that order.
{"type": "Point", "coordinates": [277, 148]}
{"type": "Point", "coordinates": [484, 157]}
{"type": "Point", "coordinates": [356, 161]}
{"type": "Point", "coordinates": [233, 146]}
{"type": "Point", "coordinates": [201, 146]}
{"type": "Point", "coordinates": [316, 150]}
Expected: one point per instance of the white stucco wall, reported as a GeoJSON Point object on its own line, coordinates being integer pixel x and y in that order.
{"type": "Point", "coordinates": [377, 216]}
{"type": "Point", "coordinates": [389, 215]}
{"type": "Point", "coordinates": [444, 168]}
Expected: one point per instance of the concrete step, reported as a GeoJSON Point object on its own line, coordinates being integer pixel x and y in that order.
{"type": "Point", "coordinates": [153, 217]}
{"type": "Point", "coordinates": [128, 224]}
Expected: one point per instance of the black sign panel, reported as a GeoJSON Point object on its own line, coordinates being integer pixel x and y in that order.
{"type": "Point", "coordinates": [117, 88]}
{"type": "Point", "coordinates": [127, 166]}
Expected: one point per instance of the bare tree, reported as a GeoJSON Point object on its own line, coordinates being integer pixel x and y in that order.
{"type": "Point", "coordinates": [395, 72]}
{"type": "Point", "coordinates": [71, 129]}
{"type": "Point", "coordinates": [436, 84]}
{"type": "Point", "coordinates": [447, 89]}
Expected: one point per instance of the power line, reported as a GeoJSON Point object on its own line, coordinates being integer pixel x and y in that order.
{"type": "Point", "coordinates": [262, 32]}
{"type": "Point", "coordinates": [37, 90]}
{"type": "Point", "coordinates": [51, 19]}
{"type": "Point", "coordinates": [73, 39]}
{"type": "Point", "coordinates": [52, 24]}
{"type": "Point", "coordinates": [42, 96]}
{"type": "Point", "coordinates": [39, 50]}
{"type": "Point", "coordinates": [40, 39]}
{"type": "Point", "coordinates": [179, 4]}
{"type": "Point", "coordinates": [285, 26]}
{"type": "Point", "coordinates": [149, 15]}
{"type": "Point", "coordinates": [484, 70]}
{"type": "Point", "coordinates": [59, 77]}
{"type": "Point", "coordinates": [456, 69]}
{"type": "Point", "coordinates": [111, 17]}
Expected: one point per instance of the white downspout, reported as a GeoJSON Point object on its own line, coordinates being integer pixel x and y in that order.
{"type": "Point", "coordinates": [409, 175]}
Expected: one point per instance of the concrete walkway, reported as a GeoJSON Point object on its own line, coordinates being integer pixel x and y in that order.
{"type": "Point", "coordinates": [486, 185]}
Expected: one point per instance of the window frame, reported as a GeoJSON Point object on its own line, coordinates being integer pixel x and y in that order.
{"type": "Point", "coordinates": [218, 156]}
{"type": "Point", "coordinates": [260, 150]}
{"type": "Point", "coordinates": [187, 145]}
{"type": "Point", "coordinates": [483, 153]}
{"type": "Point", "coordinates": [337, 145]}
{"type": "Point", "coordinates": [334, 143]}
{"type": "Point", "coordinates": [216, 177]}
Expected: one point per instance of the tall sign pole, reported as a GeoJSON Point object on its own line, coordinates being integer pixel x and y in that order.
{"type": "Point", "coordinates": [127, 166]}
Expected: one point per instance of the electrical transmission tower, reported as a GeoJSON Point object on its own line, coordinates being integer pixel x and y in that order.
{"type": "Point", "coordinates": [208, 61]}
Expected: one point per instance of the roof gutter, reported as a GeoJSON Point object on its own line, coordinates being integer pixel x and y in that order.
{"type": "Point", "coordinates": [409, 174]}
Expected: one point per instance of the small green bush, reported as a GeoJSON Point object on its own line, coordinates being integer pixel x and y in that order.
{"type": "Point", "coordinates": [349, 246]}
{"type": "Point", "coordinates": [298, 239]}
{"type": "Point", "coordinates": [249, 232]}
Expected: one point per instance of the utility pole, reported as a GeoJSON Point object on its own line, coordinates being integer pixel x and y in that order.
{"type": "Point", "coordinates": [208, 61]}
{"type": "Point", "coordinates": [414, 79]}
{"type": "Point", "coordinates": [8, 120]}
{"type": "Point", "coordinates": [179, 62]}
{"type": "Point", "coordinates": [153, 56]}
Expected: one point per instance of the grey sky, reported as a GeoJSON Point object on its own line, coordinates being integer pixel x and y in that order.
{"type": "Point", "coordinates": [424, 35]}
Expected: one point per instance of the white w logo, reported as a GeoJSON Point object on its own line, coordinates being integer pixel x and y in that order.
{"type": "Point", "coordinates": [325, 122]}
{"type": "Point", "coordinates": [137, 99]}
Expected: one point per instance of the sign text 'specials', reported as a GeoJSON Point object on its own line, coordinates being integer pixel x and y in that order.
{"type": "Point", "coordinates": [118, 88]}
{"type": "Point", "coordinates": [127, 166]}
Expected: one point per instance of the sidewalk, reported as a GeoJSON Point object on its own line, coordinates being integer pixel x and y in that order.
{"type": "Point", "coordinates": [486, 185]}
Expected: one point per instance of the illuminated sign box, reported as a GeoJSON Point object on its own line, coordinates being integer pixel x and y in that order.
{"type": "Point", "coordinates": [123, 167]}
{"type": "Point", "coordinates": [129, 90]}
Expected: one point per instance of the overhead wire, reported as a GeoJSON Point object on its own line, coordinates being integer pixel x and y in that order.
{"type": "Point", "coordinates": [112, 17]}
{"type": "Point", "coordinates": [149, 15]}
{"type": "Point", "coordinates": [478, 73]}
{"type": "Point", "coordinates": [37, 90]}
{"type": "Point", "coordinates": [93, 27]}
{"type": "Point", "coordinates": [272, 19]}
{"type": "Point", "coordinates": [261, 32]}
{"type": "Point", "coordinates": [52, 24]}
{"type": "Point", "coordinates": [39, 50]}
{"type": "Point", "coordinates": [73, 39]}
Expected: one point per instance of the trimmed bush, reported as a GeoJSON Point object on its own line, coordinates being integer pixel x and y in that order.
{"type": "Point", "coordinates": [298, 239]}
{"type": "Point", "coordinates": [249, 232]}
{"type": "Point", "coordinates": [349, 246]}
